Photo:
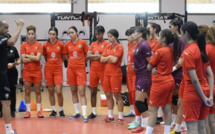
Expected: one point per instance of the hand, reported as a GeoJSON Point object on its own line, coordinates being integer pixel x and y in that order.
{"type": "Point", "coordinates": [20, 22]}
{"type": "Point", "coordinates": [208, 101]}
{"type": "Point", "coordinates": [96, 58]}
{"type": "Point", "coordinates": [10, 65]}
{"type": "Point", "coordinates": [154, 70]}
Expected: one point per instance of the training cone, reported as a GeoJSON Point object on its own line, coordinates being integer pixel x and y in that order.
{"type": "Point", "coordinates": [22, 107]}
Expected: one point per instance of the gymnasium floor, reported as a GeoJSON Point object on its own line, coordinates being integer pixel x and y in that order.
{"type": "Point", "coordinates": [66, 125]}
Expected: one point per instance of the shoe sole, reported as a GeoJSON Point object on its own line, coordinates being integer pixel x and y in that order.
{"type": "Point", "coordinates": [74, 118]}
{"type": "Point", "coordinates": [92, 118]}
{"type": "Point", "coordinates": [40, 116]}
{"type": "Point", "coordinates": [27, 117]}
{"type": "Point", "coordinates": [52, 116]}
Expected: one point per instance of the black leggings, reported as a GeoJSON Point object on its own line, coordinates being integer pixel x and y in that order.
{"type": "Point", "coordinates": [12, 78]}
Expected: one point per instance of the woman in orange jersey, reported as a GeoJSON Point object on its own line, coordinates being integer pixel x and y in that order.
{"type": "Point", "coordinates": [153, 42]}
{"type": "Point", "coordinates": [53, 53]}
{"type": "Point", "coordinates": [198, 91]}
{"type": "Point", "coordinates": [76, 50]}
{"type": "Point", "coordinates": [210, 49]}
{"type": "Point", "coordinates": [112, 85]}
{"type": "Point", "coordinates": [31, 52]}
{"type": "Point", "coordinates": [130, 74]}
{"type": "Point", "coordinates": [162, 82]}
{"type": "Point", "coordinates": [131, 77]}
{"type": "Point", "coordinates": [97, 68]}
{"type": "Point", "coordinates": [154, 31]}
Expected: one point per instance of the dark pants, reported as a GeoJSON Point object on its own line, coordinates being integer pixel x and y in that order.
{"type": "Point", "coordinates": [12, 78]}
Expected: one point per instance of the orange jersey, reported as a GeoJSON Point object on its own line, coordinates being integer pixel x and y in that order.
{"type": "Point", "coordinates": [76, 52]}
{"type": "Point", "coordinates": [163, 61]}
{"type": "Point", "coordinates": [210, 49]}
{"type": "Point", "coordinates": [97, 48]}
{"type": "Point", "coordinates": [31, 49]}
{"type": "Point", "coordinates": [53, 53]}
{"type": "Point", "coordinates": [110, 68]}
{"type": "Point", "coordinates": [193, 60]}
{"type": "Point", "coordinates": [130, 57]}
{"type": "Point", "coordinates": [154, 44]}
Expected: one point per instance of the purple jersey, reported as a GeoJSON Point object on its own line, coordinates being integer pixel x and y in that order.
{"type": "Point", "coordinates": [143, 51]}
{"type": "Point", "coordinates": [178, 73]}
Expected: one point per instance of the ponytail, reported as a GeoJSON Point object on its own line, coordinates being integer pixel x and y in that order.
{"type": "Point", "coordinates": [201, 43]}
{"type": "Point", "coordinates": [171, 38]}
{"type": "Point", "coordinates": [175, 47]}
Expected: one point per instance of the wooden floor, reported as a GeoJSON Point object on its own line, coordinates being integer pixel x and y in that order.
{"type": "Point", "coordinates": [66, 125]}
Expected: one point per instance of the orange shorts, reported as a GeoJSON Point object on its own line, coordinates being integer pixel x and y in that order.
{"type": "Point", "coordinates": [112, 83]}
{"type": "Point", "coordinates": [181, 89]}
{"type": "Point", "coordinates": [95, 76]}
{"type": "Point", "coordinates": [53, 77]}
{"type": "Point", "coordinates": [194, 108]}
{"type": "Point", "coordinates": [131, 82]}
{"type": "Point", "coordinates": [76, 76]}
{"type": "Point", "coordinates": [161, 93]}
{"type": "Point", "coordinates": [35, 77]}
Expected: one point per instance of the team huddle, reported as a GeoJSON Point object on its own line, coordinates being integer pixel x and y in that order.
{"type": "Point", "coordinates": [170, 70]}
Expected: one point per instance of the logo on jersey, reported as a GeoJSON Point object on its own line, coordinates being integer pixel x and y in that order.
{"type": "Point", "coordinates": [80, 46]}
{"type": "Point", "coordinates": [114, 50]}
{"type": "Point", "coordinates": [11, 51]}
{"type": "Point", "coordinates": [133, 50]}
{"type": "Point", "coordinates": [32, 54]}
{"type": "Point", "coordinates": [47, 47]}
{"type": "Point", "coordinates": [137, 50]}
{"type": "Point", "coordinates": [45, 81]}
{"type": "Point", "coordinates": [96, 52]}
{"type": "Point", "coordinates": [36, 47]}
{"type": "Point", "coordinates": [103, 46]}
{"type": "Point", "coordinates": [53, 54]}
{"type": "Point", "coordinates": [75, 53]}
{"type": "Point", "coordinates": [153, 44]}
{"type": "Point", "coordinates": [129, 58]}
{"type": "Point", "coordinates": [7, 95]}
{"type": "Point", "coordinates": [58, 47]}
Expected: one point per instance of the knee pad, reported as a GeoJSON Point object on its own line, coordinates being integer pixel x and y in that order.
{"type": "Point", "coordinates": [175, 100]}
{"type": "Point", "coordinates": [141, 106]}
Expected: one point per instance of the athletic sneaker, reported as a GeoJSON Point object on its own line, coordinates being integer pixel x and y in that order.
{"type": "Point", "coordinates": [159, 120]}
{"type": "Point", "coordinates": [119, 122]}
{"type": "Point", "coordinates": [27, 114]}
{"type": "Point", "coordinates": [39, 114]}
{"type": "Point", "coordinates": [130, 114]}
{"type": "Point", "coordinates": [173, 132]}
{"type": "Point", "coordinates": [108, 120]}
{"type": "Point", "coordinates": [61, 113]}
{"type": "Point", "coordinates": [134, 125]}
{"type": "Point", "coordinates": [85, 119]}
{"type": "Point", "coordinates": [53, 114]}
{"type": "Point", "coordinates": [137, 130]}
{"type": "Point", "coordinates": [131, 122]}
{"type": "Point", "coordinates": [92, 116]}
{"type": "Point", "coordinates": [75, 115]}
